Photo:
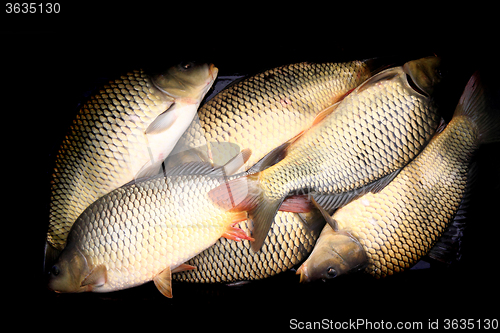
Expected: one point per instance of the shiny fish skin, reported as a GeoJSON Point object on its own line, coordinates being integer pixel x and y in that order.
{"type": "Point", "coordinates": [373, 132]}
{"type": "Point", "coordinates": [139, 230]}
{"type": "Point", "coordinates": [254, 106]}
{"type": "Point", "coordinates": [276, 105]}
{"type": "Point", "coordinates": [75, 186]}
{"type": "Point", "coordinates": [399, 225]}
{"type": "Point", "coordinates": [289, 243]}
{"type": "Point", "coordinates": [369, 135]}
{"type": "Point", "coordinates": [107, 145]}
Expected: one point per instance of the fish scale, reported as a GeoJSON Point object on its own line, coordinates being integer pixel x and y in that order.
{"type": "Point", "coordinates": [138, 230]}
{"type": "Point", "coordinates": [248, 108]}
{"type": "Point", "coordinates": [420, 212]}
{"type": "Point", "coordinates": [109, 142]}
{"type": "Point", "coordinates": [89, 139]}
{"type": "Point", "coordinates": [282, 101]}
{"type": "Point", "coordinates": [392, 226]}
{"type": "Point", "coordinates": [357, 131]}
{"type": "Point", "coordinates": [356, 146]}
{"type": "Point", "coordinates": [289, 243]}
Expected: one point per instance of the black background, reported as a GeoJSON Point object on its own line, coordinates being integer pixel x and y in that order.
{"type": "Point", "coordinates": [52, 63]}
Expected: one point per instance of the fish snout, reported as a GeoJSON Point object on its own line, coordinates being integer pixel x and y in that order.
{"type": "Point", "coordinates": [213, 71]}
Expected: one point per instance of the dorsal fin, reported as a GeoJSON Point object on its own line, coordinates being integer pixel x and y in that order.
{"type": "Point", "coordinates": [274, 156]}
{"type": "Point", "coordinates": [326, 112]}
{"type": "Point", "coordinates": [331, 201]}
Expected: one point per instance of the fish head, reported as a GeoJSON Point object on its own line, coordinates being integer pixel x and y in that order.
{"type": "Point", "coordinates": [424, 74]}
{"type": "Point", "coordinates": [69, 271]}
{"type": "Point", "coordinates": [337, 254]}
{"type": "Point", "coordinates": [186, 80]}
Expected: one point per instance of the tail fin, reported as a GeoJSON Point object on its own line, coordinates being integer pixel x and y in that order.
{"type": "Point", "coordinates": [475, 104]}
{"type": "Point", "coordinates": [245, 194]}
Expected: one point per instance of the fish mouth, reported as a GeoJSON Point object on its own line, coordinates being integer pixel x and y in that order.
{"type": "Point", "coordinates": [213, 73]}
{"type": "Point", "coordinates": [302, 271]}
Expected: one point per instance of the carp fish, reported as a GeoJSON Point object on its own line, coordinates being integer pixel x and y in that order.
{"type": "Point", "coordinates": [145, 231]}
{"type": "Point", "coordinates": [276, 104]}
{"type": "Point", "coordinates": [123, 132]}
{"type": "Point", "coordinates": [268, 108]}
{"type": "Point", "coordinates": [388, 232]}
{"type": "Point", "coordinates": [359, 145]}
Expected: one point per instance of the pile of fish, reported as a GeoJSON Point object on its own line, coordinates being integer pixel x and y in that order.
{"type": "Point", "coordinates": [342, 167]}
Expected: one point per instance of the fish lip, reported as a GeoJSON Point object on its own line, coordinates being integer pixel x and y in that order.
{"type": "Point", "coordinates": [213, 73]}
{"type": "Point", "coordinates": [303, 274]}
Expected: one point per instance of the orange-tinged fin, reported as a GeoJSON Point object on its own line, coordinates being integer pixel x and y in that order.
{"type": "Point", "coordinates": [182, 268]}
{"type": "Point", "coordinates": [326, 112]}
{"type": "Point", "coordinates": [297, 204]}
{"type": "Point", "coordinates": [346, 94]}
{"type": "Point", "coordinates": [245, 194]}
{"type": "Point", "coordinates": [163, 282]}
{"type": "Point", "coordinates": [474, 104]}
{"type": "Point", "coordinates": [236, 195]}
{"type": "Point", "coordinates": [97, 278]}
{"type": "Point", "coordinates": [302, 271]}
{"type": "Point", "coordinates": [236, 234]}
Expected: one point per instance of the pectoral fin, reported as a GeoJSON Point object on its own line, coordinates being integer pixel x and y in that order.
{"type": "Point", "coordinates": [234, 233]}
{"type": "Point", "coordinates": [96, 278]}
{"type": "Point", "coordinates": [164, 121]}
{"type": "Point", "coordinates": [330, 220]}
{"type": "Point", "coordinates": [163, 282]}
{"type": "Point", "coordinates": [326, 112]}
{"type": "Point", "coordinates": [182, 268]}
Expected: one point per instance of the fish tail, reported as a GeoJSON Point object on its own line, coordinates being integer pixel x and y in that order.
{"type": "Point", "coordinates": [475, 104]}
{"type": "Point", "coordinates": [245, 194]}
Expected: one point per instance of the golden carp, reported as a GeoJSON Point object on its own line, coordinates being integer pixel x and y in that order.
{"type": "Point", "coordinates": [359, 147]}
{"type": "Point", "coordinates": [276, 105]}
{"type": "Point", "coordinates": [122, 132]}
{"type": "Point", "coordinates": [268, 108]}
{"type": "Point", "coordinates": [145, 231]}
{"type": "Point", "coordinates": [388, 232]}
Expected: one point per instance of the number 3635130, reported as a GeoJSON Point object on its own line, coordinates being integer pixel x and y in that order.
{"type": "Point", "coordinates": [32, 8]}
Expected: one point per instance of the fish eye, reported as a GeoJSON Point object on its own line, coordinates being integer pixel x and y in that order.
{"type": "Point", "coordinates": [186, 65]}
{"type": "Point", "coordinates": [55, 270]}
{"type": "Point", "coordinates": [331, 272]}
